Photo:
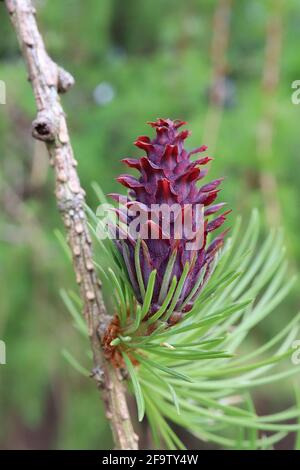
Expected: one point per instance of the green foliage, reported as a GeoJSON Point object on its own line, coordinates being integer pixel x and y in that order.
{"type": "Point", "coordinates": [194, 373]}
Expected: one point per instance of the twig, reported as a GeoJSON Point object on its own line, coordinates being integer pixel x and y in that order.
{"type": "Point", "coordinates": [265, 131]}
{"type": "Point", "coordinates": [48, 80]}
{"type": "Point", "coordinates": [219, 46]}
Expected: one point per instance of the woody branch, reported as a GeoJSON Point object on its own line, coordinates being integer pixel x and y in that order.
{"type": "Point", "coordinates": [48, 80]}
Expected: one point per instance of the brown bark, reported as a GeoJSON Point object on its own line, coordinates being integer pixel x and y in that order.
{"type": "Point", "coordinates": [48, 80]}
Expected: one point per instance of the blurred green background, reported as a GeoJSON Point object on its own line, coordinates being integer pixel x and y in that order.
{"type": "Point", "coordinates": [224, 66]}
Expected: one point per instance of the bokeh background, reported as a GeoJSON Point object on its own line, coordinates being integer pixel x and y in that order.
{"type": "Point", "coordinates": [224, 66]}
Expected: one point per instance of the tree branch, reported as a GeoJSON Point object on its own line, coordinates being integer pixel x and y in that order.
{"type": "Point", "coordinates": [48, 80]}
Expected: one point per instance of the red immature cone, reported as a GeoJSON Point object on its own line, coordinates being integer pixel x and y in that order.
{"type": "Point", "coordinates": [169, 177]}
